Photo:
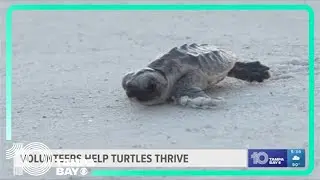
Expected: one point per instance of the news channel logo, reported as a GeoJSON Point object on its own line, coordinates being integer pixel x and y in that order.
{"type": "Point", "coordinates": [37, 159]}
{"type": "Point", "coordinates": [276, 158]}
{"type": "Point", "coordinates": [19, 153]}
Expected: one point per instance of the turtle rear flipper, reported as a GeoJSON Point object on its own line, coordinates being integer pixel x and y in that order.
{"type": "Point", "coordinates": [250, 71]}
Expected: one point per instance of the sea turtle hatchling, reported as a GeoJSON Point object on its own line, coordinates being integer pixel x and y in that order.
{"type": "Point", "coordinates": [183, 73]}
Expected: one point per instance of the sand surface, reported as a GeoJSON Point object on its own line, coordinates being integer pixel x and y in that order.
{"type": "Point", "coordinates": [67, 69]}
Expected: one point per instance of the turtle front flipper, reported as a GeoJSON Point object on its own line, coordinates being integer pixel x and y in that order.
{"type": "Point", "coordinates": [189, 92]}
{"type": "Point", "coordinates": [250, 71]}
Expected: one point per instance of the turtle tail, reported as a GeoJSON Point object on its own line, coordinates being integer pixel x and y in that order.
{"type": "Point", "coordinates": [250, 71]}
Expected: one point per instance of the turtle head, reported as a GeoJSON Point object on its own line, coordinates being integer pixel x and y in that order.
{"type": "Point", "coordinates": [147, 86]}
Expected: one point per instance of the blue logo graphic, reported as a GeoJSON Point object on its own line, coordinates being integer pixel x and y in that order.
{"type": "Point", "coordinates": [296, 157]}
{"type": "Point", "coordinates": [267, 158]}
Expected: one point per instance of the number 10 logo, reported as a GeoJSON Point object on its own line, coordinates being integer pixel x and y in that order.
{"type": "Point", "coordinates": [259, 157]}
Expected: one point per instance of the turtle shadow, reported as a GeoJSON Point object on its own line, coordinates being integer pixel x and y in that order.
{"type": "Point", "coordinates": [225, 87]}
{"type": "Point", "coordinates": [230, 87]}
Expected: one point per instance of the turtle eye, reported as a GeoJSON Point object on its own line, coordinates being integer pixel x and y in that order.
{"type": "Point", "coordinates": [151, 86]}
